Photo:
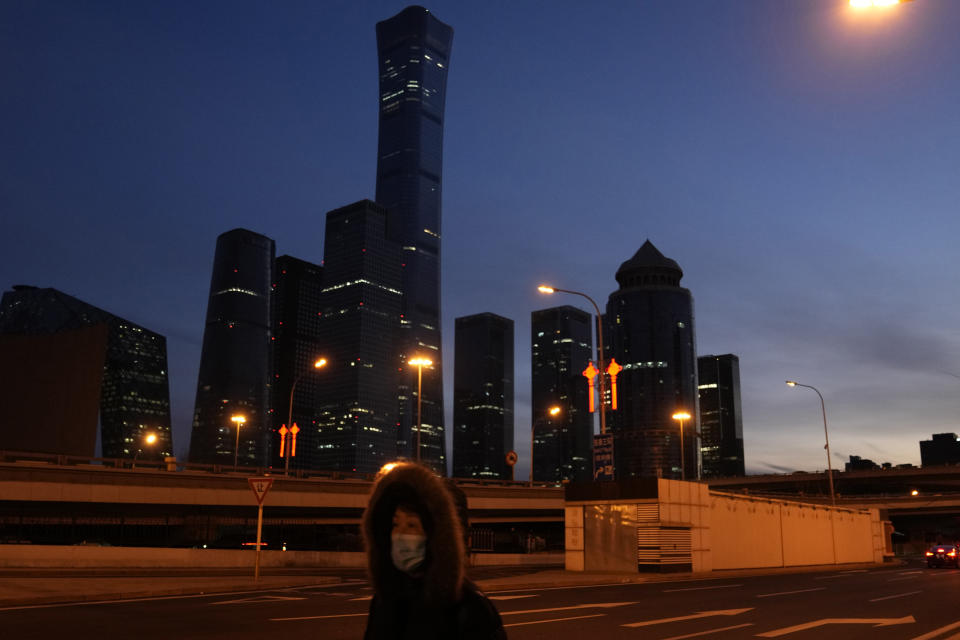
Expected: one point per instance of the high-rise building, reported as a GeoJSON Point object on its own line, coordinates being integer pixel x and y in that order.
{"type": "Point", "coordinates": [297, 345]}
{"type": "Point", "coordinates": [721, 416]}
{"type": "Point", "coordinates": [69, 359]}
{"type": "Point", "coordinates": [649, 320]}
{"type": "Point", "coordinates": [561, 341]}
{"type": "Point", "coordinates": [483, 396]}
{"type": "Point", "coordinates": [941, 448]}
{"type": "Point", "coordinates": [414, 53]}
{"type": "Point", "coordinates": [235, 361]}
{"type": "Point", "coordinates": [360, 307]}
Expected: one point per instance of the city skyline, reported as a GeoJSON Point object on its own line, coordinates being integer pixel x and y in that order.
{"type": "Point", "coordinates": [795, 158]}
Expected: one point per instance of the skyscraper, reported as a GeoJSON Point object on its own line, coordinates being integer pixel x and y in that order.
{"type": "Point", "coordinates": [721, 418]}
{"type": "Point", "coordinates": [562, 342]}
{"type": "Point", "coordinates": [65, 341]}
{"type": "Point", "coordinates": [360, 307]}
{"type": "Point", "coordinates": [650, 324]}
{"type": "Point", "coordinates": [235, 361]}
{"type": "Point", "coordinates": [483, 396]}
{"type": "Point", "coordinates": [414, 51]}
{"type": "Point", "coordinates": [296, 347]}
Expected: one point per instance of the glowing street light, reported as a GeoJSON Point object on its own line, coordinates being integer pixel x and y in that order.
{"type": "Point", "coordinates": [868, 4]}
{"type": "Point", "coordinates": [319, 364]}
{"type": "Point", "coordinates": [681, 416]}
{"type": "Point", "coordinates": [149, 439]}
{"type": "Point", "coordinates": [419, 363]}
{"type": "Point", "coordinates": [553, 412]}
{"type": "Point", "coordinates": [823, 407]}
{"type": "Point", "coordinates": [236, 448]}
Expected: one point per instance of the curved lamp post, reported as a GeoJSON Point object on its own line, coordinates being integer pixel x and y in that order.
{"type": "Point", "coordinates": [419, 363]}
{"type": "Point", "coordinates": [603, 395]}
{"type": "Point", "coordinates": [681, 416]}
{"type": "Point", "coordinates": [319, 364]}
{"type": "Point", "coordinates": [553, 412]}
{"type": "Point", "coordinates": [239, 420]}
{"type": "Point", "coordinates": [149, 439]}
{"type": "Point", "coordinates": [823, 407]}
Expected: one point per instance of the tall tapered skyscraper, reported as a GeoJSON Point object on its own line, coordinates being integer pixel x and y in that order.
{"type": "Point", "coordinates": [414, 51]}
{"type": "Point", "coordinates": [234, 378]}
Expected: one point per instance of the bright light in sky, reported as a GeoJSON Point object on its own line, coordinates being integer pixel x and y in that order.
{"type": "Point", "coordinates": [864, 4]}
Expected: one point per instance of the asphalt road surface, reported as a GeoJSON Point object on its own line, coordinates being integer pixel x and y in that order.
{"type": "Point", "coordinates": [909, 602]}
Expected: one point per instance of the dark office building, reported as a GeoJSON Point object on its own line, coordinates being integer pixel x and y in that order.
{"type": "Point", "coordinates": [235, 363]}
{"type": "Point", "coordinates": [649, 321]}
{"type": "Point", "coordinates": [561, 340]}
{"type": "Point", "coordinates": [721, 416]}
{"type": "Point", "coordinates": [64, 361]}
{"type": "Point", "coordinates": [857, 463]}
{"type": "Point", "coordinates": [360, 306]}
{"type": "Point", "coordinates": [414, 52]}
{"type": "Point", "coordinates": [942, 448]}
{"type": "Point", "coordinates": [296, 347]}
{"type": "Point", "coordinates": [483, 396]}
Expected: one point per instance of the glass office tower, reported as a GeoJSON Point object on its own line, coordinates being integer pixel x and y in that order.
{"type": "Point", "coordinates": [483, 396]}
{"type": "Point", "coordinates": [235, 361]}
{"type": "Point", "coordinates": [561, 342]}
{"type": "Point", "coordinates": [721, 416]}
{"type": "Point", "coordinates": [414, 51]}
{"type": "Point", "coordinates": [650, 324]}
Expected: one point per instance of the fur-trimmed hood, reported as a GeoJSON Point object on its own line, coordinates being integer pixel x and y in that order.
{"type": "Point", "coordinates": [444, 564]}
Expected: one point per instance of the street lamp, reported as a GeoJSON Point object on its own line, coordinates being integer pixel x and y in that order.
{"type": "Point", "coordinates": [553, 412]}
{"type": "Point", "coordinates": [603, 414]}
{"type": "Point", "coordinates": [866, 4]}
{"type": "Point", "coordinates": [681, 416]}
{"type": "Point", "coordinates": [239, 420]}
{"type": "Point", "coordinates": [319, 364]}
{"type": "Point", "coordinates": [149, 439]}
{"type": "Point", "coordinates": [419, 363]}
{"type": "Point", "coordinates": [823, 407]}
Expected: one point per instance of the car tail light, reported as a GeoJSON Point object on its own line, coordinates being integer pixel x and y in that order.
{"type": "Point", "coordinates": [929, 553]}
{"type": "Point", "coordinates": [952, 554]}
{"type": "Point", "coordinates": [939, 550]}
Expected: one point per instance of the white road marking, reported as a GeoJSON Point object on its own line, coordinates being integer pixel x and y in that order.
{"type": "Point", "coordinates": [855, 571]}
{"type": "Point", "coordinates": [218, 594]}
{"type": "Point", "coordinates": [936, 632]}
{"type": "Point", "coordinates": [875, 622]}
{"type": "Point", "coordinates": [601, 605]}
{"type": "Point", "coordinates": [709, 631]}
{"type": "Point", "coordinates": [532, 595]}
{"type": "Point", "coordinates": [831, 577]}
{"type": "Point", "coordinates": [263, 598]}
{"type": "Point", "coordinates": [360, 599]}
{"type": "Point", "coordinates": [335, 615]}
{"type": "Point", "coordinates": [722, 586]}
{"type": "Point", "coordinates": [908, 573]}
{"type": "Point", "coordinates": [899, 595]}
{"type": "Point", "coordinates": [692, 616]}
{"type": "Point", "coordinates": [901, 579]}
{"type": "Point", "coordinates": [520, 624]}
{"type": "Point", "coordinates": [787, 593]}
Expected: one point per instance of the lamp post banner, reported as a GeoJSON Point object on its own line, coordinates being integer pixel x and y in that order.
{"type": "Point", "coordinates": [603, 457]}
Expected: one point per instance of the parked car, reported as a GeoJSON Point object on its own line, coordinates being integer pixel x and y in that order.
{"type": "Point", "coordinates": [943, 555]}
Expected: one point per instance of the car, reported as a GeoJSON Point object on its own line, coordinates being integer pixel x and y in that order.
{"type": "Point", "coordinates": [943, 555]}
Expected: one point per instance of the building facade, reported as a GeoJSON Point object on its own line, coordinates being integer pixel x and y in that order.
{"type": "Point", "coordinates": [360, 315]}
{"type": "Point", "coordinates": [721, 416]}
{"type": "Point", "coordinates": [649, 322]}
{"type": "Point", "coordinates": [413, 49]}
{"type": "Point", "coordinates": [78, 355]}
{"type": "Point", "coordinates": [561, 340]}
{"type": "Point", "coordinates": [483, 396]}
{"type": "Point", "coordinates": [235, 361]}
{"type": "Point", "coordinates": [941, 448]}
{"type": "Point", "coordinates": [296, 347]}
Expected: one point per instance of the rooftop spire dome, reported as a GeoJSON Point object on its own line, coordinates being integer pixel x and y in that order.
{"type": "Point", "coordinates": [649, 267]}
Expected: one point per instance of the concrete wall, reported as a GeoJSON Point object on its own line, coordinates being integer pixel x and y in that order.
{"type": "Point", "coordinates": [80, 557]}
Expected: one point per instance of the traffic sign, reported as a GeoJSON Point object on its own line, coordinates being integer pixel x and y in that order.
{"type": "Point", "coordinates": [603, 457]}
{"type": "Point", "coordinates": [260, 487]}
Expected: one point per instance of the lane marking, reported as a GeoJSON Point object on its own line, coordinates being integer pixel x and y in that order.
{"type": "Point", "coordinates": [532, 595]}
{"type": "Point", "coordinates": [936, 632]}
{"type": "Point", "coordinates": [601, 605]}
{"type": "Point", "coordinates": [899, 595]}
{"type": "Point", "coordinates": [360, 599]}
{"type": "Point", "coordinates": [335, 615]}
{"type": "Point", "coordinates": [831, 577]}
{"type": "Point", "coordinates": [520, 624]}
{"type": "Point", "coordinates": [693, 616]}
{"type": "Point", "coordinates": [855, 571]}
{"type": "Point", "coordinates": [908, 573]}
{"type": "Point", "coordinates": [875, 622]}
{"type": "Point", "coordinates": [901, 579]}
{"type": "Point", "coordinates": [709, 631]}
{"type": "Point", "coordinates": [787, 593]}
{"type": "Point", "coordinates": [722, 586]}
{"type": "Point", "coordinates": [263, 598]}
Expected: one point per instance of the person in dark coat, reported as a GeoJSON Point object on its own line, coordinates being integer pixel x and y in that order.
{"type": "Point", "coordinates": [417, 565]}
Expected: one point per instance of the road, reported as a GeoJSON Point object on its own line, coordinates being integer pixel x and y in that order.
{"type": "Point", "coordinates": [909, 602]}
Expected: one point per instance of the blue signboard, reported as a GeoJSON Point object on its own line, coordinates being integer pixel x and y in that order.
{"type": "Point", "coordinates": [603, 457]}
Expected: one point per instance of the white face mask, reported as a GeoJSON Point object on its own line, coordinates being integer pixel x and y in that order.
{"type": "Point", "coordinates": [407, 550]}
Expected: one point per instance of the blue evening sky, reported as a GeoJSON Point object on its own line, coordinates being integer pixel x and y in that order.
{"type": "Point", "coordinates": [798, 159]}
